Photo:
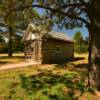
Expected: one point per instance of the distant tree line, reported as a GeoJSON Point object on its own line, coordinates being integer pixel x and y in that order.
{"type": "Point", "coordinates": [81, 44]}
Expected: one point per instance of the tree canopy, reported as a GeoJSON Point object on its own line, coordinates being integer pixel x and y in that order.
{"type": "Point", "coordinates": [81, 44]}
{"type": "Point", "coordinates": [16, 21]}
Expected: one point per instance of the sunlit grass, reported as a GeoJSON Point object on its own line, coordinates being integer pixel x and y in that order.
{"type": "Point", "coordinates": [4, 59]}
{"type": "Point", "coordinates": [47, 82]}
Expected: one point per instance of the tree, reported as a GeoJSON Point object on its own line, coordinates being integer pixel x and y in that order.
{"type": "Point", "coordinates": [78, 37]}
{"type": "Point", "coordinates": [15, 21]}
{"type": "Point", "coordinates": [81, 45]}
{"type": "Point", "coordinates": [18, 45]}
{"type": "Point", "coordinates": [69, 13]}
{"type": "Point", "coordinates": [78, 42]}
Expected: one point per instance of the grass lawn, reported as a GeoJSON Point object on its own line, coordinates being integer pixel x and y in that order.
{"type": "Point", "coordinates": [48, 82]}
{"type": "Point", "coordinates": [4, 59]}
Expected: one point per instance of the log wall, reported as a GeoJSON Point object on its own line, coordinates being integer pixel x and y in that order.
{"type": "Point", "coordinates": [49, 51]}
{"type": "Point", "coordinates": [56, 51]}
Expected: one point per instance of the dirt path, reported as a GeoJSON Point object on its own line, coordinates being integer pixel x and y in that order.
{"type": "Point", "coordinates": [18, 65]}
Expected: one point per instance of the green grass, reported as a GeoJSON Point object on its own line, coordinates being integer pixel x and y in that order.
{"type": "Point", "coordinates": [39, 84]}
{"type": "Point", "coordinates": [46, 82]}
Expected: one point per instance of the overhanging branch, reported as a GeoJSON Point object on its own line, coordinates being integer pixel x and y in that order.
{"type": "Point", "coordinates": [53, 10]}
{"type": "Point", "coordinates": [62, 12]}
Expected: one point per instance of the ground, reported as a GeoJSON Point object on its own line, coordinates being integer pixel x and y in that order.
{"type": "Point", "coordinates": [66, 81]}
{"type": "Point", "coordinates": [4, 59]}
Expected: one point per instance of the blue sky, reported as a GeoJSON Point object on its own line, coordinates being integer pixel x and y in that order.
{"type": "Point", "coordinates": [70, 32]}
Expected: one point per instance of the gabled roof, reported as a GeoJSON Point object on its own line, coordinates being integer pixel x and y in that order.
{"type": "Point", "coordinates": [29, 35]}
{"type": "Point", "coordinates": [31, 32]}
{"type": "Point", "coordinates": [60, 36]}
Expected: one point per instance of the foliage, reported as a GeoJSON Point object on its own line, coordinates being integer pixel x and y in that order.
{"type": "Point", "coordinates": [3, 45]}
{"type": "Point", "coordinates": [18, 45]}
{"type": "Point", "coordinates": [48, 86]}
{"type": "Point", "coordinates": [78, 37]}
{"type": "Point", "coordinates": [15, 21]}
{"type": "Point", "coordinates": [69, 14]}
{"type": "Point", "coordinates": [81, 45]}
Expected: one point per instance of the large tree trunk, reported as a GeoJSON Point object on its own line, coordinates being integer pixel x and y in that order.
{"type": "Point", "coordinates": [90, 81]}
{"type": "Point", "coordinates": [97, 56]}
{"type": "Point", "coordinates": [10, 43]}
{"type": "Point", "coordinates": [96, 14]}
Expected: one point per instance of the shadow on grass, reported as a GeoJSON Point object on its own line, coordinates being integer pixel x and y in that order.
{"type": "Point", "coordinates": [7, 60]}
{"type": "Point", "coordinates": [83, 65]}
{"type": "Point", "coordinates": [64, 63]}
{"type": "Point", "coordinates": [75, 59]}
{"type": "Point", "coordinates": [5, 57]}
{"type": "Point", "coordinates": [55, 87]}
{"type": "Point", "coordinates": [4, 62]}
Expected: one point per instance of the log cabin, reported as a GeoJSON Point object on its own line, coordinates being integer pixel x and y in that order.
{"type": "Point", "coordinates": [44, 47]}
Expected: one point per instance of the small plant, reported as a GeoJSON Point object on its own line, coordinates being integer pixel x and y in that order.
{"type": "Point", "coordinates": [71, 75]}
{"type": "Point", "coordinates": [80, 86]}
{"type": "Point", "coordinates": [70, 96]}
{"type": "Point", "coordinates": [90, 89]}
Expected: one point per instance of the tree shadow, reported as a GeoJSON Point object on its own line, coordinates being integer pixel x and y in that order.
{"type": "Point", "coordinates": [52, 85]}
{"type": "Point", "coordinates": [4, 62]}
{"type": "Point", "coordinates": [64, 63]}
{"type": "Point", "coordinates": [75, 59]}
{"type": "Point", "coordinates": [83, 65]}
{"type": "Point", "coordinates": [5, 57]}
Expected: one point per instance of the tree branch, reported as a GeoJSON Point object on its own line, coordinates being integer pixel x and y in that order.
{"type": "Point", "coordinates": [55, 11]}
